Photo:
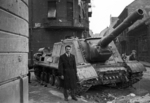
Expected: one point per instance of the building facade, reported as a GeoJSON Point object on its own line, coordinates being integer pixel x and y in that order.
{"type": "Point", "coordinates": [14, 50]}
{"type": "Point", "coordinates": [53, 20]}
{"type": "Point", "coordinates": [136, 37]}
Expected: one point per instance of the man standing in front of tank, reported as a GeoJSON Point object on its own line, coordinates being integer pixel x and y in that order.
{"type": "Point", "coordinates": [68, 72]}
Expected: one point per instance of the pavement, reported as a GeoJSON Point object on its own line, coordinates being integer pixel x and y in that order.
{"type": "Point", "coordinates": [41, 94]}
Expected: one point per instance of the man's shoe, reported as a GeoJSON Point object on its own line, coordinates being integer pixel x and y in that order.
{"type": "Point", "coordinates": [66, 99]}
{"type": "Point", "coordinates": [74, 98]}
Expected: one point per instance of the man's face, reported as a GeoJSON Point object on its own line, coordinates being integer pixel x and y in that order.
{"type": "Point", "coordinates": [68, 50]}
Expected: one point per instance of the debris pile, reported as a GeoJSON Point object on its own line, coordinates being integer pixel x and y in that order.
{"type": "Point", "coordinates": [132, 98]}
{"type": "Point", "coordinates": [100, 98]}
{"type": "Point", "coordinates": [109, 98]}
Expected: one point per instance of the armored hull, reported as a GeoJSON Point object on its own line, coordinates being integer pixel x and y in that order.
{"type": "Point", "coordinates": [98, 61]}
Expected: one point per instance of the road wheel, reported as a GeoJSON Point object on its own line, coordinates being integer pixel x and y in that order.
{"type": "Point", "coordinates": [51, 80]}
{"type": "Point", "coordinates": [42, 78]}
{"type": "Point", "coordinates": [45, 79]}
{"type": "Point", "coordinates": [37, 73]}
{"type": "Point", "coordinates": [57, 82]}
{"type": "Point", "coordinates": [123, 85]}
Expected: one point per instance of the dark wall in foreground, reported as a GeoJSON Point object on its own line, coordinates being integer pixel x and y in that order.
{"type": "Point", "coordinates": [13, 51]}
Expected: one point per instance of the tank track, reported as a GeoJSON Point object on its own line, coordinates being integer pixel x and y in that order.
{"type": "Point", "coordinates": [134, 78]}
{"type": "Point", "coordinates": [82, 89]}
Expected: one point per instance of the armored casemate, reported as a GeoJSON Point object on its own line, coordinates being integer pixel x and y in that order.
{"type": "Point", "coordinates": [97, 59]}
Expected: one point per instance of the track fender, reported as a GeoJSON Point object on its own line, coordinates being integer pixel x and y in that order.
{"type": "Point", "coordinates": [86, 72]}
{"type": "Point", "coordinates": [136, 66]}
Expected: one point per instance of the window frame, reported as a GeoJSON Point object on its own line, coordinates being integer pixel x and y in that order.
{"type": "Point", "coordinates": [48, 9]}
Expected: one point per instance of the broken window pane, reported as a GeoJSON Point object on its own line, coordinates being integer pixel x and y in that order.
{"type": "Point", "coordinates": [51, 9]}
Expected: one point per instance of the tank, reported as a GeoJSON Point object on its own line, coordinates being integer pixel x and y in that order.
{"type": "Point", "coordinates": [97, 59]}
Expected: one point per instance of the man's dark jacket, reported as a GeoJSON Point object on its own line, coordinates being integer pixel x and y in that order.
{"type": "Point", "coordinates": [67, 68]}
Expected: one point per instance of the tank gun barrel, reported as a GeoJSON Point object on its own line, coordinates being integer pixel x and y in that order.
{"type": "Point", "coordinates": [138, 14]}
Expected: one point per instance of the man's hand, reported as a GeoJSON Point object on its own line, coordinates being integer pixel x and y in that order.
{"type": "Point", "coordinates": [62, 77]}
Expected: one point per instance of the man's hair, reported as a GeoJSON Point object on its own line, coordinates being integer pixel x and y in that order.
{"type": "Point", "coordinates": [67, 46]}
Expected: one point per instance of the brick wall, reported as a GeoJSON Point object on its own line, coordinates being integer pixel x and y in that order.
{"type": "Point", "coordinates": [50, 31]}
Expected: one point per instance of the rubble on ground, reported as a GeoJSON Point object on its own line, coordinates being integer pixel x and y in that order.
{"type": "Point", "coordinates": [109, 98]}
{"type": "Point", "coordinates": [100, 97]}
{"type": "Point", "coordinates": [132, 98]}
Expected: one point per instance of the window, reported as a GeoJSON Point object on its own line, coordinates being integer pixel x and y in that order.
{"type": "Point", "coordinates": [69, 11]}
{"type": "Point", "coordinates": [51, 9]}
